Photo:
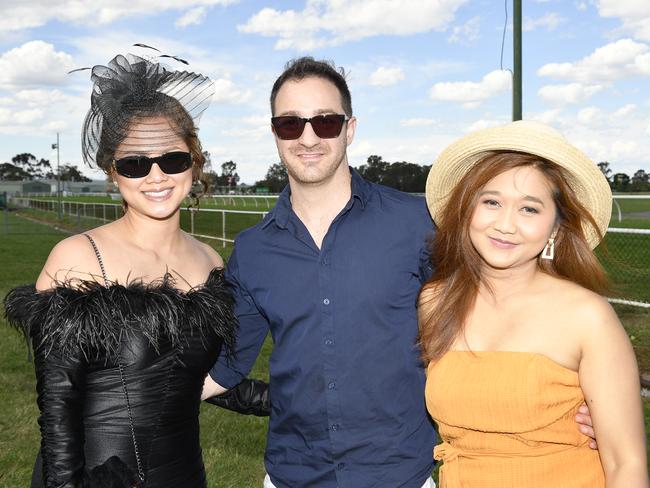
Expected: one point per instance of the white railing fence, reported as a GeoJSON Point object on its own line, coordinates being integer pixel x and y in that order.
{"type": "Point", "coordinates": [627, 260]}
{"type": "Point", "coordinates": [209, 223]}
{"type": "Point", "coordinates": [616, 207]}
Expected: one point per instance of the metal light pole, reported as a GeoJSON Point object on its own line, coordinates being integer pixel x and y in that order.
{"type": "Point", "coordinates": [58, 177]}
{"type": "Point", "coordinates": [516, 47]}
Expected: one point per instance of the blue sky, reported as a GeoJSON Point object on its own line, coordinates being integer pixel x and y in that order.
{"type": "Point", "coordinates": [422, 72]}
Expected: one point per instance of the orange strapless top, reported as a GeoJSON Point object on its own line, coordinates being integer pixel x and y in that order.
{"type": "Point", "coordinates": [507, 420]}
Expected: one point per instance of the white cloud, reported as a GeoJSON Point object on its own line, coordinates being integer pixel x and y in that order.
{"type": "Point", "coordinates": [27, 116]}
{"type": "Point", "coordinates": [581, 6]}
{"type": "Point", "coordinates": [549, 117]}
{"type": "Point", "coordinates": [361, 149]}
{"type": "Point", "coordinates": [483, 124]}
{"type": "Point", "coordinates": [383, 76]}
{"type": "Point", "coordinates": [569, 93]}
{"type": "Point", "coordinates": [625, 110]}
{"type": "Point", "coordinates": [623, 8]}
{"type": "Point", "coordinates": [55, 126]}
{"type": "Point", "coordinates": [225, 91]}
{"type": "Point", "coordinates": [37, 112]}
{"type": "Point", "coordinates": [252, 127]}
{"type": "Point", "coordinates": [22, 117]}
{"type": "Point", "coordinates": [5, 116]}
{"type": "Point", "coordinates": [437, 69]}
{"type": "Point", "coordinates": [248, 133]}
{"type": "Point", "coordinates": [469, 93]}
{"type": "Point", "coordinates": [39, 97]}
{"type": "Point", "coordinates": [590, 115]}
{"type": "Point", "coordinates": [34, 63]}
{"type": "Point", "coordinates": [93, 50]}
{"type": "Point", "coordinates": [334, 22]}
{"type": "Point", "coordinates": [604, 135]}
{"type": "Point", "coordinates": [623, 149]}
{"type": "Point", "coordinates": [634, 15]}
{"type": "Point", "coordinates": [417, 122]}
{"type": "Point", "coordinates": [258, 120]}
{"type": "Point", "coordinates": [466, 33]}
{"type": "Point", "coordinates": [618, 60]}
{"type": "Point", "coordinates": [15, 16]}
{"type": "Point", "coordinates": [194, 16]}
{"type": "Point", "coordinates": [549, 21]}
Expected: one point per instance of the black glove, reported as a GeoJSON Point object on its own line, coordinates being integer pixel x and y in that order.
{"type": "Point", "coordinates": [250, 397]}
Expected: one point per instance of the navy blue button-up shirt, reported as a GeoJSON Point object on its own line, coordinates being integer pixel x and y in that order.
{"type": "Point", "coordinates": [346, 381]}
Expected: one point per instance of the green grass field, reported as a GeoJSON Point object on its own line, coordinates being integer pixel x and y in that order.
{"type": "Point", "coordinates": [233, 445]}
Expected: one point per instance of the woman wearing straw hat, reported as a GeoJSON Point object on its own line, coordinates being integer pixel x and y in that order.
{"type": "Point", "coordinates": [127, 319]}
{"type": "Point", "coordinates": [513, 327]}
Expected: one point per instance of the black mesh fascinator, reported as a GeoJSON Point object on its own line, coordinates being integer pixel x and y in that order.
{"type": "Point", "coordinates": [141, 105]}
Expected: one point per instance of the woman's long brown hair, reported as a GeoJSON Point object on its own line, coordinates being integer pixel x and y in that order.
{"type": "Point", "coordinates": [449, 295]}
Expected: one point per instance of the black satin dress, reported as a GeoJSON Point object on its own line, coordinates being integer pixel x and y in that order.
{"type": "Point", "coordinates": [163, 339]}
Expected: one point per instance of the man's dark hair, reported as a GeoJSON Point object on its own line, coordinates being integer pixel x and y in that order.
{"type": "Point", "coordinates": [308, 67]}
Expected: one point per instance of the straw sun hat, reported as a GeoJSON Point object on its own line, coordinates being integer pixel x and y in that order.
{"type": "Point", "coordinates": [584, 177]}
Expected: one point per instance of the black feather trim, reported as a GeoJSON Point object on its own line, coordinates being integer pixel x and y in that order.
{"type": "Point", "coordinates": [87, 316]}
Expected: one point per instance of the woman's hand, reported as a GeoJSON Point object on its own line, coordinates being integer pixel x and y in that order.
{"type": "Point", "coordinates": [211, 388]}
{"type": "Point", "coordinates": [585, 425]}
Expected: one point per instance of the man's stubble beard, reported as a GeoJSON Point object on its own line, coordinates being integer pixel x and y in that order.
{"type": "Point", "coordinates": [323, 172]}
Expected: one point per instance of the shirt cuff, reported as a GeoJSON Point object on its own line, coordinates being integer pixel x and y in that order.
{"type": "Point", "coordinates": [225, 376]}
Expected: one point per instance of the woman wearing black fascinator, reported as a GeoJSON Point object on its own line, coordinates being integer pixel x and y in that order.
{"type": "Point", "coordinates": [126, 319]}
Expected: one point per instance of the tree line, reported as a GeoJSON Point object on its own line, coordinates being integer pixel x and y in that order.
{"type": "Point", "coordinates": [412, 178]}
{"type": "Point", "coordinates": [621, 182]}
{"type": "Point", "coordinates": [26, 166]}
{"type": "Point", "coordinates": [401, 175]}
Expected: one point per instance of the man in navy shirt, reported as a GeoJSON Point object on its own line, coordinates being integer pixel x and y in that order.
{"type": "Point", "coordinates": [333, 271]}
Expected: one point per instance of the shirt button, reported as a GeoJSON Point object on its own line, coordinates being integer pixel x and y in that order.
{"type": "Point", "coordinates": [326, 301]}
{"type": "Point", "coordinates": [329, 342]}
{"type": "Point", "coordinates": [331, 385]}
{"type": "Point", "coordinates": [335, 427]}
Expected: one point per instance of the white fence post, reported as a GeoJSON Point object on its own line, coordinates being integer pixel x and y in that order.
{"type": "Point", "coordinates": [223, 227]}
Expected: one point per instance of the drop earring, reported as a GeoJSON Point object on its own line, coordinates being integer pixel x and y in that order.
{"type": "Point", "coordinates": [549, 249]}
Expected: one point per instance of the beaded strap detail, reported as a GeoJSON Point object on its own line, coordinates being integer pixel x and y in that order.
{"type": "Point", "coordinates": [99, 258]}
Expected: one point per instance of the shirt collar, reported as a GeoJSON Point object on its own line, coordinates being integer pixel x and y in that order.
{"type": "Point", "coordinates": [361, 189]}
{"type": "Point", "coordinates": [280, 213]}
{"type": "Point", "coordinates": [282, 210]}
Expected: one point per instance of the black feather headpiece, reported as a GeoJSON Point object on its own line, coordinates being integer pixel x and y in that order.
{"type": "Point", "coordinates": [132, 88]}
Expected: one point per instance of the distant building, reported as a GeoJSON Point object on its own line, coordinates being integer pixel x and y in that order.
{"type": "Point", "coordinates": [13, 188]}
{"type": "Point", "coordinates": [49, 186]}
{"type": "Point", "coordinates": [75, 187]}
